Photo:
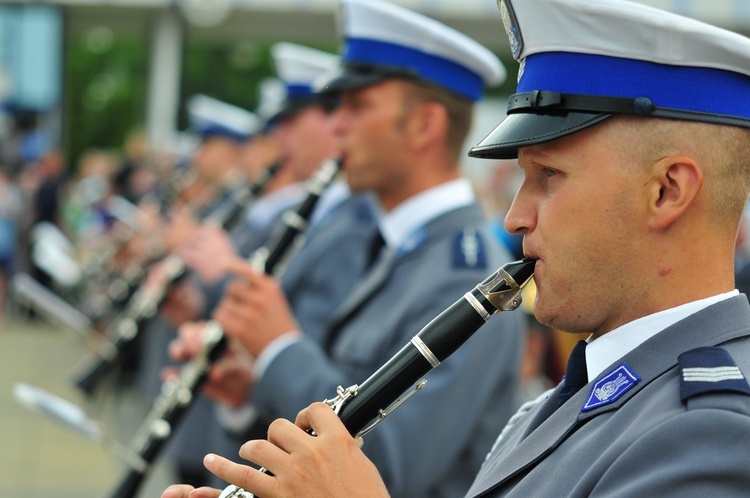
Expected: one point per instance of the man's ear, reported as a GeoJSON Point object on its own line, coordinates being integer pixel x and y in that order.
{"type": "Point", "coordinates": [428, 125]}
{"type": "Point", "coordinates": [674, 187]}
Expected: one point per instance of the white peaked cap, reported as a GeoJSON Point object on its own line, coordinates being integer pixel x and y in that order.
{"type": "Point", "coordinates": [583, 61]}
{"type": "Point", "coordinates": [299, 66]}
{"type": "Point", "coordinates": [383, 40]}
{"type": "Point", "coordinates": [621, 28]}
{"type": "Point", "coordinates": [209, 116]}
{"type": "Point", "coordinates": [271, 95]}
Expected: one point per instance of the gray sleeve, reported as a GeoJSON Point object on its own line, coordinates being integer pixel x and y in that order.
{"type": "Point", "coordinates": [700, 453]}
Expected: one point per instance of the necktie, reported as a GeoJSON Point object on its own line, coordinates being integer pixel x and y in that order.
{"type": "Point", "coordinates": [575, 375]}
{"type": "Point", "coordinates": [376, 245]}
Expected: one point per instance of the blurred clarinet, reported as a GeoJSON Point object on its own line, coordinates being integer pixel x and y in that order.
{"type": "Point", "coordinates": [227, 214]}
{"type": "Point", "coordinates": [178, 394]}
{"type": "Point", "coordinates": [170, 187]}
{"type": "Point", "coordinates": [119, 283]}
{"type": "Point", "coordinates": [362, 407]}
{"type": "Point", "coordinates": [145, 302]}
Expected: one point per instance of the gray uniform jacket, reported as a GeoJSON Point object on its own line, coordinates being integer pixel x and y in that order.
{"type": "Point", "coordinates": [432, 445]}
{"type": "Point", "coordinates": [198, 433]}
{"type": "Point", "coordinates": [322, 273]}
{"type": "Point", "coordinates": [668, 434]}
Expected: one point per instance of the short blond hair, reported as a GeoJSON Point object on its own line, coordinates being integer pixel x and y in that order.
{"type": "Point", "coordinates": [723, 150]}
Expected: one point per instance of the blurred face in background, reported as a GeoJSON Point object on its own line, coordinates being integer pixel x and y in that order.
{"type": "Point", "coordinates": [258, 153]}
{"type": "Point", "coordinates": [306, 139]}
{"type": "Point", "coordinates": [216, 157]}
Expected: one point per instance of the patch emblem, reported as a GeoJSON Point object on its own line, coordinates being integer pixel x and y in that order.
{"type": "Point", "coordinates": [468, 250]}
{"type": "Point", "coordinates": [610, 387]}
{"type": "Point", "coordinates": [709, 370]}
{"type": "Point", "coordinates": [511, 27]}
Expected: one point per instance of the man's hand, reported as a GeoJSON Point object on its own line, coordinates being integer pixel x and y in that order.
{"type": "Point", "coordinates": [254, 309]}
{"type": "Point", "coordinates": [183, 303]}
{"type": "Point", "coordinates": [230, 379]}
{"type": "Point", "coordinates": [331, 464]}
{"type": "Point", "coordinates": [181, 225]}
{"type": "Point", "coordinates": [208, 251]}
{"type": "Point", "coordinates": [185, 491]}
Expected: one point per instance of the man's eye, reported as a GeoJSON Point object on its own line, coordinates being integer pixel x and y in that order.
{"type": "Point", "coordinates": [549, 172]}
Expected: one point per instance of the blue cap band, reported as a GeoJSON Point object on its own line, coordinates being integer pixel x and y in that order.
{"type": "Point", "coordinates": [214, 130]}
{"type": "Point", "coordinates": [695, 89]}
{"type": "Point", "coordinates": [299, 91]}
{"type": "Point", "coordinates": [433, 68]}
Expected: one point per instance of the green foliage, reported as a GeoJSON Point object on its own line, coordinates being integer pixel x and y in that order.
{"type": "Point", "coordinates": [105, 91]}
{"type": "Point", "coordinates": [231, 73]}
{"type": "Point", "coordinates": [106, 80]}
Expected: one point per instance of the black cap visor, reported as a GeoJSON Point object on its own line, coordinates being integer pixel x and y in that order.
{"type": "Point", "coordinates": [524, 129]}
{"type": "Point", "coordinates": [293, 106]}
{"type": "Point", "coordinates": [354, 76]}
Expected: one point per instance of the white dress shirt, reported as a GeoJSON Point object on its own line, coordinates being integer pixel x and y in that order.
{"type": "Point", "coordinates": [608, 348]}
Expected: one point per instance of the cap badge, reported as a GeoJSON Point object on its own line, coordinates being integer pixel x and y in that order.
{"type": "Point", "coordinates": [511, 27]}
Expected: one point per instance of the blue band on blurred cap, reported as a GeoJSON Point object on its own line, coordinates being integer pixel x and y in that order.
{"type": "Point", "coordinates": [696, 89]}
{"type": "Point", "coordinates": [299, 91]}
{"type": "Point", "coordinates": [435, 69]}
{"type": "Point", "coordinates": [214, 130]}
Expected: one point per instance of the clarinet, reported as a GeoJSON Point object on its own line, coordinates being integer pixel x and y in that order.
{"type": "Point", "coordinates": [122, 282]}
{"type": "Point", "coordinates": [145, 303]}
{"type": "Point", "coordinates": [178, 394]}
{"type": "Point", "coordinates": [226, 215]}
{"type": "Point", "coordinates": [362, 407]}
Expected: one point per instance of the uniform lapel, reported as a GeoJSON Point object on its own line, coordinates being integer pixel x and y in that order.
{"type": "Point", "coordinates": [390, 258]}
{"type": "Point", "coordinates": [546, 430]}
{"type": "Point", "coordinates": [369, 285]}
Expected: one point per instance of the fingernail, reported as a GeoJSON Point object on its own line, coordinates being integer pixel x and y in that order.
{"type": "Point", "coordinates": [209, 459]}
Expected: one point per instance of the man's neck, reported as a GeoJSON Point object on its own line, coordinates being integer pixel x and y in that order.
{"type": "Point", "coordinates": [419, 183]}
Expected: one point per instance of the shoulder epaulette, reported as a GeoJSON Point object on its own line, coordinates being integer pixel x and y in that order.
{"type": "Point", "coordinates": [709, 370]}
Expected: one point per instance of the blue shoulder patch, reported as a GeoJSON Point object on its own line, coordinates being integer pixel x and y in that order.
{"type": "Point", "coordinates": [468, 250]}
{"type": "Point", "coordinates": [709, 369]}
{"type": "Point", "coordinates": [611, 387]}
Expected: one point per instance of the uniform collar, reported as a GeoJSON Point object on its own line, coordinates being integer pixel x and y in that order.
{"type": "Point", "coordinates": [397, 225]}
{"type": "Point", "coordinates": [267, 207]}
{"type": "Point", "coordinates": [605, 350]}
{"type": "Point", "coordinates": [333, 196]}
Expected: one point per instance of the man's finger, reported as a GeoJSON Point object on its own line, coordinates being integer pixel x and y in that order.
{"type": "Point", "coordinates": [205, 492]}
{"type": "Point", "coordinates": [242, 268]}
{"type": "Point", "coordinates": [320, 418]}
{"type": "Point", "coordinates": [177, 491]}
{"type": "Point", "coordinates": [244, 476]}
